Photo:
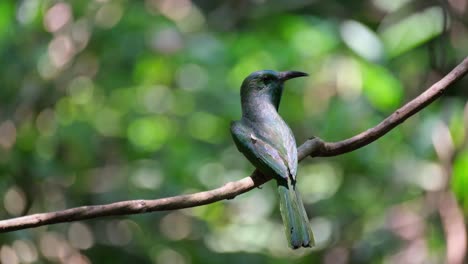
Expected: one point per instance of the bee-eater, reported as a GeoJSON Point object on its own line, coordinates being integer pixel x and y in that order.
{"type": "Point", "coordinates": [269, 144]}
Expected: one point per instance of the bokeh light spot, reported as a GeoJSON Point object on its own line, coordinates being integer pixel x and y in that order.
{"type": "Point", "coordinates": [45, 122]}
{"type": "Point", "coordinates": [8, 255]}
{"type": "Point", "coordinates": [26, 251]}
{"type": "Point", "coordinates": [383, 90]}
{"type": "Point", "coordinates": [108, 121]}
{"type": "Point", "coordinates": [176, 226]}
{"type": "Point", "coordinates": [362, 40]}
{"type": "Point", "coordinates": [167, 41]}
{"type": "Point", "coordinates": [14, 201]}
{"type": "Point", "coordinates": [27, 11]}
{"type": "Point", "coordinates": [155, 99]}
{"type": "Point", "coordinates": [7, 134]}
{"type": "Point", "coordinates": [174, 9]}
{"type": "Point", "coordinates": [209, 174]}
{"type": "Point", "coordinates": [205, 126]}
{"type": "Point", "coordinates": [61, 50]}
{"type": "Point", "coordinates": [107, 178]}
{"type": "Point", "coordinates": [119, 232]}
{"type": "Point", "coordinates": [45, 147]}
{"type": "Point", "coordinates": [323, 230]}
{"type": "Point", "coordinates": [46, 69]}
{"type": "Point", "coordinates": [319, 181]}
{"type": "Point", "coordinates": [77, 258]}
{"type": "Point", "coordinates": [109, 15]}
{"type": "Point", "coordinates": [170, 256]}
{"type": "Point", "coordinates": [57, 16]}
{"type": "Point", "coordinates": [192, 22]}
{"type": "Point", "coordinates": [65, 110]}
{"type": "Point", "coordinates": [348, 79]}
{"type": "Point", "coordinates": [147, 174]}
{"type": "Point", "coordinates": [81, 90]}
{"type": "Point", "coordinates": [54, 246]}
{"type": "Point", "coordinates": [192, 77]}
{"type": "Point", "coordinates": [80, 33]}
{"type": "Point", "coordinates": [311, 41]}
{"type": "Point", "coordinates": [390, 6]}
{"type": "Point", "coordinates": [149, 133]}
{"type": "Point", "coordinates": [80, 236]}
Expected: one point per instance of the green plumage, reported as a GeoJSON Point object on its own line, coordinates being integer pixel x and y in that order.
{"type": "Point", "coordinates": [268, 143]}
{"type": "Point", "coordinates": [295, 219]}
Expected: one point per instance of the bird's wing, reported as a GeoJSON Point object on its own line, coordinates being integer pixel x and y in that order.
{"type": "Point", "coordinates": [291, 149]}
{"type": "Point", "coordinates": [260, 153]}
{"type": "Point", "coordinates": [280, 137]}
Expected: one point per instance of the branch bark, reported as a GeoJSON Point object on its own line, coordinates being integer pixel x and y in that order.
{"type": "Point", "coordinates": [314, 147]}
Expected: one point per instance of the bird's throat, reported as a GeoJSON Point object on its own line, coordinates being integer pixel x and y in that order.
{"type": "Point", "coordinates": [259, 110]}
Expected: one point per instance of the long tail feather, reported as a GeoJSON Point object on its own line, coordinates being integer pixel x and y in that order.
{"type": "Point", "coordinates": [294, 216]}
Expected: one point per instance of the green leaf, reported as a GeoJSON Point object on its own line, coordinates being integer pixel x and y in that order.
{"type": "Point", "coordinates": [413, 31]}
{"type": "Point", "coordinates": [383, 90]}
{"type": "Point", "coordinates": [460, 178]}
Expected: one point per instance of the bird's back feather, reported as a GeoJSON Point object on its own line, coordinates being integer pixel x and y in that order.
{"type": "Point", "coordinates": [261, 154]}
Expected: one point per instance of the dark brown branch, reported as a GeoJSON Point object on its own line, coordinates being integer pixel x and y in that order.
{"type": "Point", "coordinates": [312, 147]}
{"type": "Point", "coordinates": [228, 191]}
{"type": "Point", "coordinates": [399, 116]}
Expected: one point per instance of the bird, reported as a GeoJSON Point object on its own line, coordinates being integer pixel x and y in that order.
{"type": "Point", "coordinates": [269, 144]}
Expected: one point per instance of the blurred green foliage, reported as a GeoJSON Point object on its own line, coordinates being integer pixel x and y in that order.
{"type": "Point", "coordinates": [105, 100]}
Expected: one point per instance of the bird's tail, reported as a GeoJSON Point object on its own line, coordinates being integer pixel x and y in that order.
{"type": "Point", "coordinates": [294, 216]}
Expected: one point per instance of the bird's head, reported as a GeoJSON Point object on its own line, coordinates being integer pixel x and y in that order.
{"type": "Point", "coordinates": [267, 85]}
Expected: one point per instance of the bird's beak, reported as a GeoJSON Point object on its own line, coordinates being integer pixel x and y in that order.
{"type": "Point", "coordinates": [286, 75]}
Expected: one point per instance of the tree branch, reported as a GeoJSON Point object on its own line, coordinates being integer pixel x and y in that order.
{"type": "Point", "coordinates": [399, 116]}
{"type": "Point", "coordinates": [313, 147]}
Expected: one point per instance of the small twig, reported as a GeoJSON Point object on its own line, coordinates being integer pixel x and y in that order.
{"type": "Point", "coordinates": [312, 147]}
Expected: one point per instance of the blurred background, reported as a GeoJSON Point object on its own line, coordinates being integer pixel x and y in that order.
{"type": "Point", "coordinates": [108, 100]}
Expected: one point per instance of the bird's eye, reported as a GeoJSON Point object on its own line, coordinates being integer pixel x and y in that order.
{"type": "Point", "coordinates": [267, 79]}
